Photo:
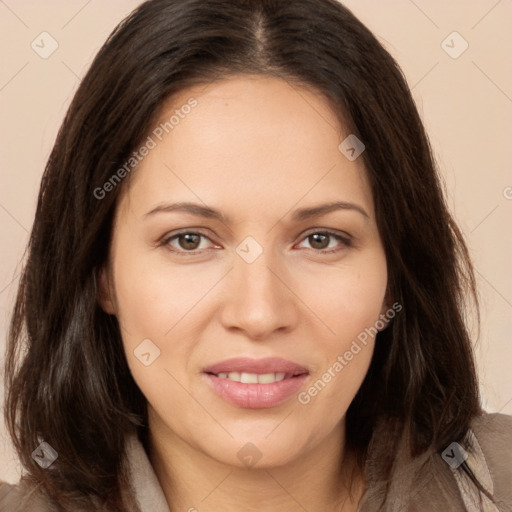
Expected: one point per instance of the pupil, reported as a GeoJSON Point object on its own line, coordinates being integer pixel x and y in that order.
{"type": "Point", "coordinates": [316, 241]}
{"type": "Point", "coordinates": [189, 241]}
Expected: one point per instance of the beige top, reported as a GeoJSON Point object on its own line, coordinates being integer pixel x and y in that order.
{"type": "Point", "coordinates": [431, 482]}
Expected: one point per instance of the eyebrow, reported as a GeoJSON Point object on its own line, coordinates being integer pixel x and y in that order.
{"type": "Point", "coordinates": [298, 216]}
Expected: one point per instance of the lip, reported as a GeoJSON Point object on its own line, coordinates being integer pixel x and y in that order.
{"type": "Point", "coordinates": [256, 396]}
{"type": "Point", "coordinates": [260, 366]}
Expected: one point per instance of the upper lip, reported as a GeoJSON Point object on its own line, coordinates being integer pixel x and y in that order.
{"type": "Point", "coordinates": [259, 366]}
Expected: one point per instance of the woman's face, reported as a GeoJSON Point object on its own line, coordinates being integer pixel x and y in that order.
{"type": "Point", "coordinates": [254, 287]}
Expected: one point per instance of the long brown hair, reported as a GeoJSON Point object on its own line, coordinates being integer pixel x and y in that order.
{"type": "Point", "coordinates": [67, 377]}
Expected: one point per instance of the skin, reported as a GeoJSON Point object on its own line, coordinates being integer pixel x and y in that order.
{"type": "Point", "coordinates": [257, 149]}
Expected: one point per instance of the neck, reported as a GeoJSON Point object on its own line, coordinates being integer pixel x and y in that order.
{"type": "Point", "coordinates": [317, 480]}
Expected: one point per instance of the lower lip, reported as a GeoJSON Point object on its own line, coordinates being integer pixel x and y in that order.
{"type": "Point", "coordinates": [256, 396]}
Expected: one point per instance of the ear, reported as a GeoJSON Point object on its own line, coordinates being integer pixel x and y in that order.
{"type": "Point", "coordinates": [106, 291]}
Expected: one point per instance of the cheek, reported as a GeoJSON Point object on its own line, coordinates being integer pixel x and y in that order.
{"type": "Point", "coordinates": [160, 302]}
{"type": "Point", "coordinates": [153, 297]}
{"type": "Point", "coordinates": [151, 301]}
{"type": "Point", "coordinates": [152, 306]}
{"type": "Point", "coordinates": [349, 305]}
{"type": "Point", "coordinates": [347, 299]}
{"type": "Point", "coordinates": [330, 393]}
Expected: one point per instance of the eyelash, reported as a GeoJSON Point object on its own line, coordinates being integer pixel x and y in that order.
{"type": "Point", "coordinates": [346, 241]}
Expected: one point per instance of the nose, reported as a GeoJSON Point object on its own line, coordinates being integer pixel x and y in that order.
{"type": "Point", "coordinates": [260, 299]}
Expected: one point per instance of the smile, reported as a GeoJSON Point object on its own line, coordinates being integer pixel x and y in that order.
{"type": "Point", "coordinates": [256, 383]}
{"type": "Point", "coordinates": [254, 378]}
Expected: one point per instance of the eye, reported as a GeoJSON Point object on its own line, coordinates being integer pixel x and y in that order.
{"type": "Point", "coordinates": [185, 242]}
{"type": "Point", "coordinates": [320, 241]}
{"type": "Point", "coordinates": [188, 243]}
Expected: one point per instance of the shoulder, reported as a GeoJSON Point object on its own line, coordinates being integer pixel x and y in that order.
{"type": "Point", "coordinates": [22, 497]}
{"type": "Point", "coordinates": [439, 481]}
{"type": "Point", "coordinates": [493, 433]}
{"type": "Point", "coordinates": [494, 428]}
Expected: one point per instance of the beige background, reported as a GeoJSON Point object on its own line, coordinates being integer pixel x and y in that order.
{"type": "Point", "coordinates": [466, 104]}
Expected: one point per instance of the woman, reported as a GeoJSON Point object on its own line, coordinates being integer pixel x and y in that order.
{"type": "Point", "coordinates": [244, 290]}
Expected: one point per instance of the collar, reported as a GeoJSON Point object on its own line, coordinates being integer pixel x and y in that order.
{"type": "Point", "coordinates": [144, 482]}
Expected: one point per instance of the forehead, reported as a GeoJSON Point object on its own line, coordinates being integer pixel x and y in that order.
{"type": "Point", "coordinates": [237, 141]}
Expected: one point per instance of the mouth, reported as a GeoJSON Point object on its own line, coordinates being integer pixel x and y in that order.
{"type": "Point", "coordinates": [254, 378]}
{"type": "Point", "coordinates": [256, 383]}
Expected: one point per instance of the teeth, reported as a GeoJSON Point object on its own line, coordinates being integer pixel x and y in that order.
{"type": "Point", "coordinates": [267, 378]}
{"type": "Point", "coordinates": [252, 378]}
{"type": "Point", "coordinates": [248, 378]}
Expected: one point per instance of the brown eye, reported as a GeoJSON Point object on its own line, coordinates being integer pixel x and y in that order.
{"type": "Point", "coordinates": [185, 243]}
{"type": "Point", "coordinates": [189, 241]}
{"type": "Point", "coordinates": [320, 241]}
